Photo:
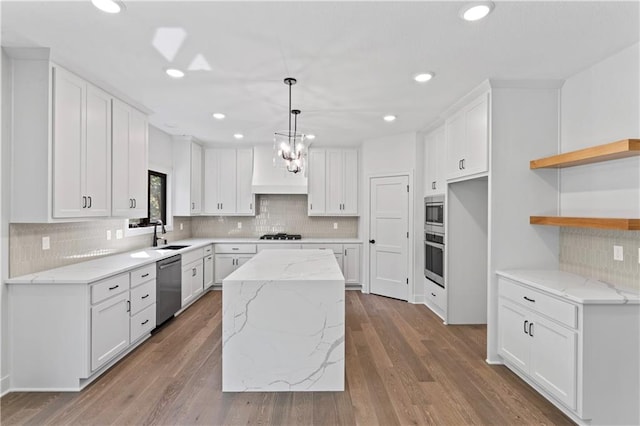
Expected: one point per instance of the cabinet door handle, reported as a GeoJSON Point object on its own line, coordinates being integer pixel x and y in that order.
{"type": "Point", "coordinates": [145, 275]}
{"type": "Point", "coordinates": [135, 203]}
{"type": "Point", "coordinates": [209, 258]}
{"type": "Point", "coordinates": [221, 206]}
{"type": "Point", "coordinates": [250, 206]}
{"type": "Point", "coordinates": [114, 287]}
{"type": "Point", "coordinates": [145, 296]}
{"type": "Point", "coordinates": [345, 252]}
{"type": "Point", "coordinates": [84, 202]}
{"type": "Point", "coordinates": [130, 203]}
{"type": "Point", "coordinates": [525, 327]}
{"type": "Point", "coordinates": [144, 322]}
{"type": "Point", "coordinates": [433, 294]}
{"type": "Point", "coordinates": [310, 206]}
{"type": "Point", "coordinates": [90, 201]}
{"type": "Point", "coordinates": [529, 300]}
{"type": "Point", "coordinates": [193, 272]}
{"type": "Point", "coordinates": [193, 206]}
{"type": "Point", "coordinates": [128, 305]}
{"type": "Point", "coordinates": [531, 329]}
{"type": "Point", "coordinates": [463, 166]}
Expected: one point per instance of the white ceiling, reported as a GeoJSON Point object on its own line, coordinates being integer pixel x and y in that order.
{"type": "Point", "coordinates": [354, 61]}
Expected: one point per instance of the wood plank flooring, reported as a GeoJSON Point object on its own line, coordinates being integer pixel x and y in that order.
{"type": "Point", "coordinates": [403, 367]}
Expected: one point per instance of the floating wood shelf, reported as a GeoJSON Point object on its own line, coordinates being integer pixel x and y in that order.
{"type": "Point", "coordinates": [611, 151]}
{"type": "Point", "coordinates": [587, 222]}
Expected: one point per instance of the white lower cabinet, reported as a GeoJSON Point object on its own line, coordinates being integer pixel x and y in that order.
{"type": "Point", "coordinates": [230, 257]}
{"type": "Point", "coordinates": [192, 281]}
{"type": "Point", "coordinates": [109, 329]}
{"type": "Point", "coordinates": [208, 271]}
{"type": "Point", "coordinates": [436, 298]}
{"type": "Point", "coordinates": [581, 357]}
{"type": "Point", "coordinates": [351, 264]}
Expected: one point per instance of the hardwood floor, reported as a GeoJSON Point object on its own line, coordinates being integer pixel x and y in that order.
{"type": "Point", "coordinates": [403, 366]}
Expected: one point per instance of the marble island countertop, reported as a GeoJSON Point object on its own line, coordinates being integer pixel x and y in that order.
{"type": "Point", "coordinates": [97, 269]}
{"type": "Point", "coordinates": [573, 287]}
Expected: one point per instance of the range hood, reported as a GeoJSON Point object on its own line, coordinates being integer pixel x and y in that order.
{"type": "Point", "coordinates": [268, 179]}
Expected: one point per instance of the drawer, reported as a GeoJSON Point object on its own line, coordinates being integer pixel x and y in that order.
{"type": "Point", "coordinates": [104, 289]}
{"type": "Point", "coordinates": [143, 274]}
{"type": "Point", "coordinates": [337, 248]}
{"type": "Point", "coordinates": [191, 256]}
{"type": "Point", "coordinates": [558, 310]}
{"type": "Point", "coordinates": [208, 249]}
{"type": "Point", "coordinates": [142, 323]}
{"type": "Point", "coordinates": [277, 246]}
{"type": "Point", "coordinates": [435, 294]}
{"type": "Point", "coordinates": [143, 296]}
{"type": "Point", "coordinates": [235, 248]}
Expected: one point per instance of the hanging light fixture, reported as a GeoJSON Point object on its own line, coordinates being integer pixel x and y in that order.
{"type": "Point", "coordinates": [289, 144]}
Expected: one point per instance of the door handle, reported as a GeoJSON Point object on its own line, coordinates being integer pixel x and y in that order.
{"type": "Point", "coordinates": [84, 202]}
{"type": "Point", "coordinates": [193, 272]}
{"type": "Point", "coordinates": [90, 202]}
{"type": "Point", "coordinates": [372, 241]}
{"type": "Point", "coordinates": [135, 203]}
{"type": "Point", "coordinates": [193, 206]}
{"type": "Point", "coordinates": [463, 166]}
{"type": "Point", "coordinates": [531, 329]}
{"type": "Point", "coordinates": [145, 296]}
{"type": "Point", "coordinates": [128, 306]}
{"type": "Point", "coordinates": [525, 327]}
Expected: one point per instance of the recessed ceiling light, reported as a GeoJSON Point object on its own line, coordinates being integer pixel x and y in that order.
{"type": "Point", "coordinates": [389, 118]}
{"type": "Point", "coordinates": [238, 136]}
{"type": "Point", "coordinates": [218, 115]}
{"type": "Point", "coordinates": [175, 73]}
{"type": "Point", "coordinates": [476, 11]}
{"type": "Point", "coordinates": [423, 77]}
{"type": "Point", "coordinates": [109, 6]}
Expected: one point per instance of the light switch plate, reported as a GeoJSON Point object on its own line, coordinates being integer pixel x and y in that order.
{"type": "Point", "coordinates": [239, 225]}
{"type": "Point", "coordinates": [118, 234]}
{"type": "Point", "coordinates": [618, 253]}
{"type": "Point", "coordinates": [335, 225]}
{"type": "Point", "coordinates": [181, 226]}
{"type": "Point", "coordinates": [45, 243]}
{"type": "Point", "coordinates": [108, 234]}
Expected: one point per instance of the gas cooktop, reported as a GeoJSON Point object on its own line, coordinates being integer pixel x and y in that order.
{"type": "Point", "coordinates": [281, 236]}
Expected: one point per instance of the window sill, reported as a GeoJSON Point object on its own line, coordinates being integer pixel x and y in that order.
{"type": "Point", "coordinates": [132, 232]}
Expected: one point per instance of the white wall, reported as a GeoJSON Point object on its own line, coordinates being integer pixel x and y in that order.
{"type": "Point", "coordinates": [394, 155]}
{"type": "Point", "coordinates": [5, 157]}
{"type": "Point", "coordinates": [599, 105]}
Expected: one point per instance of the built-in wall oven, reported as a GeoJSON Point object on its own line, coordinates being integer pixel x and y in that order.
{"type": "Point", "coordinates": [434, 239]}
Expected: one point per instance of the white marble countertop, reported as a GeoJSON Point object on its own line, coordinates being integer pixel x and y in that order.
{"type": "Point", "coordinates": [97, 269]}
{"type": "Point", "coordinates": [289, 265]}
{"type": "Point", "coordinates": [573, 287]}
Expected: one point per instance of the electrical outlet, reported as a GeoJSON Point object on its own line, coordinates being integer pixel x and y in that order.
{"type": "Point", "coordinates": [239, 225]}
{"type": "Point", "coordinates": [45, 243]}
{"type": "Point", "coordinates": [181, 227]}
{"type": "Point", "coordinates": [118, 234]}
{"type": "Point", "coordinates": [617, 253]}
{"type": "Point", "coordinates": [108, 234]}
{"type": "Point", "coordinates": [335, 225]}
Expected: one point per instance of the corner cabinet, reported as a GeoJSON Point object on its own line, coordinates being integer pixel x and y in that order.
{"type": "Point", "coordinates": [333, 182]}
{"type": "Point", "coordinates": [467, 140]}
{"type": "Point", "coordinates": [187, 177]}
{"type": "Point", "coordinates": [61, 143]}
{"type": "Point", "coordinates": [583, 357]}
{"type": "Point", "coordinates": [130, 161]}
{"type": "Point", "coordinates": [434, 182]}
{"type": "Point", "coordinates": [227, 182]}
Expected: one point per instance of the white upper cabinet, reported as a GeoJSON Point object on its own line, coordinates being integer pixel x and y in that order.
{"type": "Point", "coordinates": [338, 179]}
{"type": "Point", "coordinates": [187, 177]}
{"type": "Point", "coordinates": [245, 199]}
{"type": "Point", "coordinates": [130, 161]}
{"type": "Point", "coordinates": [61, 144]}
{"type": "Point", "coordinates": [434, 182]}
{"type": "Point", "coordinates": [227, 182]}
{"type": "Point", "coordinates": [317, 182]}
{"type": "Point", "coordinates": [467, 140]}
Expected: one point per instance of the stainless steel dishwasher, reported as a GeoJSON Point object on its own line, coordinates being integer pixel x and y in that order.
{"type": "Point", "coordinates": [168, 288]}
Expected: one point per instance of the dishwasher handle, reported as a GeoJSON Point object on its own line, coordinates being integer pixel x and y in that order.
{"type": "Point", "coordinates": [166, 265]}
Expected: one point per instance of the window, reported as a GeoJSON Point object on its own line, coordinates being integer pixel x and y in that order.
{"type": "Point", "coordinates": [157, 202]}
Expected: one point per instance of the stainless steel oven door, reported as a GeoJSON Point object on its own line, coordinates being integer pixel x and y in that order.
{"type": "Point", "coordinates": [434, 262]}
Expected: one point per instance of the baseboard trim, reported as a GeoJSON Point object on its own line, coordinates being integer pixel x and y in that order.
{"type": "Point", "coordinates": [4, 385]}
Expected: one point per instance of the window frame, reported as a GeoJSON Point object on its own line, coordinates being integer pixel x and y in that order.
{"type": "Point", "coordinates": [142, 230]}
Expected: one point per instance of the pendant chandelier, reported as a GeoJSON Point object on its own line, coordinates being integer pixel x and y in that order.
{"type": "Point", "coordinates": [290, 143]}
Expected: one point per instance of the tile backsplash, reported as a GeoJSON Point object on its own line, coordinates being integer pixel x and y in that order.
{"type": "Point", "coordinates": [589, 252]}
{"type": "Point", "coordinates": [74, 242]}
{"type": "Point", "coordinates": [276, 213]}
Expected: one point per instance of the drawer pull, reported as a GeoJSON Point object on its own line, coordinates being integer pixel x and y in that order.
{"type": "Point", "coordinates": [145, 275]}
{"type": "Point", "coordinates": [114, 287]}
{"type": "Point", "coordinates": [433, 294]}
{"type": "Point", "coordinates": [529, 300]}
{"type": "Point", "coordinates": [235, 248]}
{"type": "Point", "coordinates": [145, 321]}
{"type": "Point", "coordinates": [145, 296]}
{"type": "Point", "coordinates": [525, 327]}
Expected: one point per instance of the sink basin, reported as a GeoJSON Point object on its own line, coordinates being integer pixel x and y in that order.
{"type": "Point", "coordinates": [171, 247]}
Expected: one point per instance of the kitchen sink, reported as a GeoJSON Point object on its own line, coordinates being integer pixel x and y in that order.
{"type": "Point", "coordinates": [171, 247]}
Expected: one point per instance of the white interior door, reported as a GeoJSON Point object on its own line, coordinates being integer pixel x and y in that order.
{"type": "Point", "coordinates": [388, 233]}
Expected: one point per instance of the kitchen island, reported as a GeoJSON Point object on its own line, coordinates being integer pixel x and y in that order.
{"type": "Point", "coordinates": [283, 319]}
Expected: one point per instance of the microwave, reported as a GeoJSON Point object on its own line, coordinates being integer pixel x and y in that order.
{"type": "Point", "coordinates": [434, 213]}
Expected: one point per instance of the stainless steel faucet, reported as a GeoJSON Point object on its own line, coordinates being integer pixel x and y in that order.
{"type": "Point", "coordinates": [155, 232]}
